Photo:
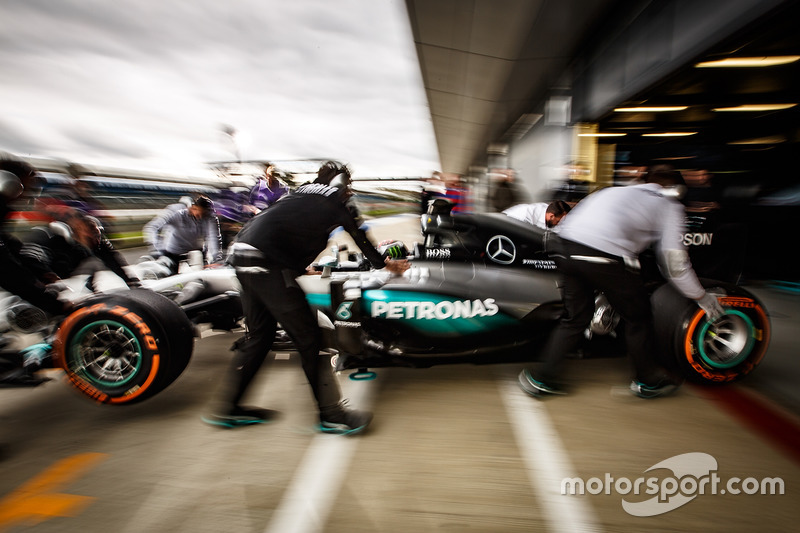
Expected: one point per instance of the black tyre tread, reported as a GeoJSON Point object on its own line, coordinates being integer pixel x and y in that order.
{"type": "Point", "coordinates": [173, 322]}
{"type": "Point", "coordinates": [670, 310]}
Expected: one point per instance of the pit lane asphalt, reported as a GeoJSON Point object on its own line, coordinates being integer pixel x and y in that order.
{"type": "Point", "coordinates": [452, 448]}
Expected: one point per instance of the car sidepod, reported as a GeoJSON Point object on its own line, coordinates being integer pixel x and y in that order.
{"type": "Point", "coordinates": [446, 312]}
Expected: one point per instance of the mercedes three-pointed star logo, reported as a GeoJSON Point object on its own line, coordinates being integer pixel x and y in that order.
{"type": "Point", "coordinates": [501, 250]}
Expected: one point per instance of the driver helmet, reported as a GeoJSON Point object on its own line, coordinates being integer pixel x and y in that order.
{"type": "Point", "coordinates": [440, 206]}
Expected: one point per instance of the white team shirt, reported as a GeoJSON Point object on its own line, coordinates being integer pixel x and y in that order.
{"type": "Point", "coordinates": [624, 221]}
{"type": "Point", "coordinates": [531, 213]}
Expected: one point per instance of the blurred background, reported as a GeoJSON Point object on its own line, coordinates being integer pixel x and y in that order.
{"type": "Point", "coordinates": [126, 108]}
{"type": "Point", "coordinates": [512, 101]}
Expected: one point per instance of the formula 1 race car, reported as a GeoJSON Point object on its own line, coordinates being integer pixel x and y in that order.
{"type": "Point", "coordinates": [497, 246]}
{"type": "Point", "coordinates": [481, 289]}
{"type": "Point", "coordinates": [469, 312]}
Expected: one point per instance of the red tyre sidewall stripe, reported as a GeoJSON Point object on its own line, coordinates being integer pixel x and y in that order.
{"type": "Point", "coordinates": [691, 354]}
{"type": "Point", "coordinates": [60, 359]}
{"type": "Point", "coordinates": [144, 386]}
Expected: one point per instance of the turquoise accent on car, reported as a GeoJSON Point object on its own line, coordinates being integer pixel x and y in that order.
{"type": "Point", "coordinates": [319, 300]}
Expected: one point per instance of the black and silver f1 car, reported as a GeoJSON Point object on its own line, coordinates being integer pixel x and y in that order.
{"type": "Point", "coordinates": [481, 289]}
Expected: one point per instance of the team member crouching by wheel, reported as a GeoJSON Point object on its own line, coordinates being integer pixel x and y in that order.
{"type": "Point", "coordinates": [598, 250]}
{"type": "Point", "coordinates": [270, 252]}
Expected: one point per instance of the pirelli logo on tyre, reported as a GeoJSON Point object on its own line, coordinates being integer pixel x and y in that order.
{"type": "Point", "coordinates": [732, 301]}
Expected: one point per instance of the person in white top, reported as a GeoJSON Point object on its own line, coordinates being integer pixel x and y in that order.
{"type": "Point", "coordinates": [541, 214]}
{"type": "Point", "coordinates": [176, 232]}
{"type": "Point", "coordinates": [597, 249]}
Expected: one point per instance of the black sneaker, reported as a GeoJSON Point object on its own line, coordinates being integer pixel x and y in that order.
{"type": "Point", "coordinates": [241, 416]}
{"type": "Point", "coordinates": [341, 420]}
{"type": "Point", "coordinates": [663, 388]}
{"type": "Point", "coordinates": [534, 387]}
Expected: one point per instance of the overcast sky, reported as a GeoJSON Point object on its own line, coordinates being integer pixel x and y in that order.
{"type": "Point", "coordinates": [149, 84]}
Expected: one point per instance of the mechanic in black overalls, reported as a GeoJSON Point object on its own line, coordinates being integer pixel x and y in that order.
{"type": "Point", "coordinates": [14, 277]}
{"type": "Point", "coordinates": [270, 252]}
{"type": "Point", "coordinates": [61, 248]}
{"type": "Point", "coordinates": [597, 249]}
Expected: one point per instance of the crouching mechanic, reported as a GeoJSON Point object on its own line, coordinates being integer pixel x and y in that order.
{"type": "Point", "coordinates": [597, 249]}
{"type": "Point", "coordinates": [270, 252]}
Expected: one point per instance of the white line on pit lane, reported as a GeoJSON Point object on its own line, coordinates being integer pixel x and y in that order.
{"type": "Point", "coordinates": [546, 462]}
{"type": "Point", "coordinates": [313, 491]}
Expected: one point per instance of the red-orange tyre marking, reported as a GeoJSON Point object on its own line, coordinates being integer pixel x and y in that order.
{"type": "Point", "coordinates": [140, 390]}
{"type": "Point", "coordinates": [762, 336]}
{"type": "Point", "coordinates": [60, 359]}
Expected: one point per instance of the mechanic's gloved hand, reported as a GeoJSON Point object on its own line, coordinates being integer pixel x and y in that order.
{"type": "Point", "coordinates": [393, 249]}
{"type": "Point", "coordinates": [710, 304]}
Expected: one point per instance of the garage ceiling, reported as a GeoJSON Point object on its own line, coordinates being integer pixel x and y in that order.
{"type": "Point", "coordinates": [487, 64]}
{"type": "Point", "coordinates": [716, 138]}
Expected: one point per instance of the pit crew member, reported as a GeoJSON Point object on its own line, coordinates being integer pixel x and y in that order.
{"type": "Point", "coordinates": [270, 252]}
{"type": "Point", "coordinates": [597, 249]}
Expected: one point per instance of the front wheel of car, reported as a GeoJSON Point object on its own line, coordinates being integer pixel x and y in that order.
{"type": "Point", "coordinates": [124, 349]}
{"type": "Point", "coordinates": [704, 352]}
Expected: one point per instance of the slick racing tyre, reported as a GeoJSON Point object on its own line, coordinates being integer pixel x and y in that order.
{"type": "Point", "coordinates": [124, 348]}
{"type": "Point", "coordinates": [178, 329]}
{"type": "Point", "coordinates": [710, 353]}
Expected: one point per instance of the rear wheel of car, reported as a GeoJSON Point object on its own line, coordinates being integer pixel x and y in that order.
{"type": "Point", "coordinates": [122, 349]}
{"type": "Point", "coordinates": [726, 350]}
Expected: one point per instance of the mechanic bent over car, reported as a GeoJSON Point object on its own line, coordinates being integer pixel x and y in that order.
{"type": "Point", "coordinates": [175, 233]}
{"type": "Point", "coordinates": [270, 252]}
{"type": "Point", "coordinates": [597, 249]}
{"type": "Point", "coordinates": [63, 247]}
{"type": "Point", "coordinates": [15, 177]}
{"type": "Point", "coordinates": [540, 214]}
